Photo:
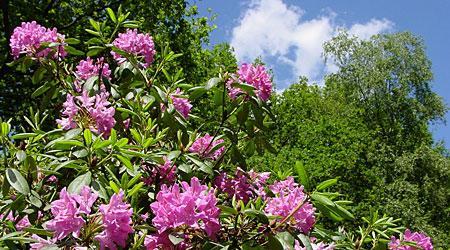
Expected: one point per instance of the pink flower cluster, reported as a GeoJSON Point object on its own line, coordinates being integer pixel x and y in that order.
{"type": "Point", "coordinates": [204, 146]}
{"type": "Point", "coordinates": [238, 186]}
{"type": "Point", "coordinates": [259, 181]}
{"type": "Point", "coordinates": [97, 113]}
{"type": "Point", "coordinates": [87, 69]}
{"type": "Point", "coordinates": [21, 224]}
{"type": "Point", "coordinates": [241, 186]}
{"type": "Point", "coordinates": [181, 104]}
{"type": "Point", "coordinates": [422, 241]}
{"type": "Point", "coordinates": [256, 76]}
{"type": "Point", "coordinates": [135, 43]}
{"type": "Point", "coordinates": [161, 174]}
{"type": "Point", "coordinates": [67, 212]}
{"type": "Point", "coordinates": [288, 196]}
{"type": "Point", "coordinates": [28, 38]}
{"type": "Point", "coordinates": [116, 218]}
{"type": "Point", "coordinates": [192, 206]}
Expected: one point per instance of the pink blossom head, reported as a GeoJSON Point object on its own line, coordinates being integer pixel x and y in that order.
{"type": "Point", "coordinates": [289, 196]}
{"type": "Point", "coordinates": [21, 224]}
{"type": "Point", "coordinates": [204, 146]}
{"type": "Point", "coordinates": [181, 104]}
{"type": "Point", "coordinates": [97, 113]}
{"type": "Point", "coordinates": [135, 43]}
{"type": "Point", "coordinates": [28, 38]}
{"type": "Point", "coordinates": [70, 111]}
{"type": "Point", "coordinates": [238, 186]}
{"type": "Point", "coordinates": [190, 205]}
{"type": "Point", "coordinates": [88, 68]}
{"type": "Point", "coordinates": [116, 218]}
{"type": "Point", "coordinates": [255, 75]}
{"type": "Point", "coordinates": [421, 240]}
{"type": "Point", "coordinates": [66, 216]}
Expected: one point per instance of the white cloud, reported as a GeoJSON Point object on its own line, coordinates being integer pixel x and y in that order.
{"type": "Point", "coordinates": [276, 32]}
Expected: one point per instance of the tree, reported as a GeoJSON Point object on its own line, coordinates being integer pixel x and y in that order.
{"type": "Point", "coordinates": [173, 23]}
{"type": "Point", "coordinates": [368, 126]}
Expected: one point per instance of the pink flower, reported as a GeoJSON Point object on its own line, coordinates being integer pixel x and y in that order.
{"type": "Point", "coordinates": [52, 179]}
{"type": "Point", "coordinates": [181, 104]}
{"type": "Point", "coordinates": [87, 69]}
{"type": "Point", "coordinates": [288, 196]}
{"type": "Point", "coordinates": [191, 205]}
{"type": "Point", "coordinates": [421, 240]}
{"type": "Point", "coordinates": [98, 113]}
{"type": "Point", "coordinates": [116, 218]}
{"type": "Point", "coordinates": [66, 215]}
{"type": "Point", "coordinates": [28, 38]}
{"type": "Point", "coordinates": [102, 115]}
{"type": "Point", "coordinates": [161, 173]}
{"type": "Point", "coordinates": [259, 181]}
{"type": "Point", "coordinates": [162, 241]}
{"type": "Point", "coordinates": [70, 111]}
{"type": "Point", "coordinates": [239, 186]}
{"type": "Point", "coordinates": [85, 200]}
{"type": "Point", "coordinates": [42, 243]}
{"type": "Point", "coordinates": [252, 75]}
{"type": "Point", "coordinates": [21, 224]}
{"type": "Point", "coordinates": [203, 147]}
{"type": "Point", "coordinates": [135, 43]}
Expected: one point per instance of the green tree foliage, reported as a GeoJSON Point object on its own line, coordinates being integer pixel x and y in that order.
{"type": "Point", "coordinates": [369, 127]}
{"type": "Point", "coordinates": [175, 23]}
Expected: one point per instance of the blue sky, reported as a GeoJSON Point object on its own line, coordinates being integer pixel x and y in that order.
{"type": "Point", "coordinates": [288, 34]}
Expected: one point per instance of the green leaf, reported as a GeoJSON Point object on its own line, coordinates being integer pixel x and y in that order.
{"type": "Point", "coordinates": [89, 84]}
{"type": "Point", "coordinates": [80, 153]}
{"type": "Point", "coordinates": [41, 90]}
{"type": "Point", "coordinates": [196, 92]}
{"type": "Point", "coordinates": [72, 133]}
{"type": "Point", "coordinates": [274, 243]}
{"type": "Point", "coordinates": [302, 174]}
{"type": "Point", "coordinates": [135, 189]}
{"type": "Point", "coordinates": [125, 161]}
{"type": "Point", "coordinates": [73, 51]}
{"type": "Point", "coordinates": [38, 231]}
{"type": "Point", "coordinates": [111, 15]}
{"type": "Point", "coordinates": [286, 239]}
{"type": "Point", "coordinates": [87, 136]}
{"type": "Point", "coordinates": [79, 182]}
{"type": "Point", "coordinates": [38, 75]}
{"type": "Point", "coordinates": [17, 181]}
{"type": "Point", "coordinates": [71, 41]}
{"type": "Point", "coordinates": [94, 52]}
{"type": "Point", "coordinates": [306, 242]}
{"type": "Point", "coordinates": [94, 24]}
{"type": "Point", "coordinates": [70, 143]}
{"type": "Point", "coordinates": [323, 185]}
{"type": "Point", "coordinates": [175, 240]}
{"type": "Point", "coordinates": [262, 217]}
{"type": "Point", "coordinates": [23, 136]}
{"type": "Point", "coordinates": [212, 83]}
{"type": "Point", "coordinates": [227, 210]}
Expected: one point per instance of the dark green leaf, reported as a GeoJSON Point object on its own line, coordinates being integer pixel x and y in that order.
{"type": "Point", "coordinates": [17, 181]}
{"type": "Point", "coordinates": [78, 183]}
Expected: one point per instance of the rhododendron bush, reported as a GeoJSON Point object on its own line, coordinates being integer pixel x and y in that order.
{"type": "Point", "coordinates": [132, 164]}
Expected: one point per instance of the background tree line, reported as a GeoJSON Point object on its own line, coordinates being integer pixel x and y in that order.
{"type": "Point", "coordinates": [369, 124]}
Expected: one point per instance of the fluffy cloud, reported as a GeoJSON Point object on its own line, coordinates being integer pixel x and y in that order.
{"type": "Point", "coordinates": [276, 32]}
